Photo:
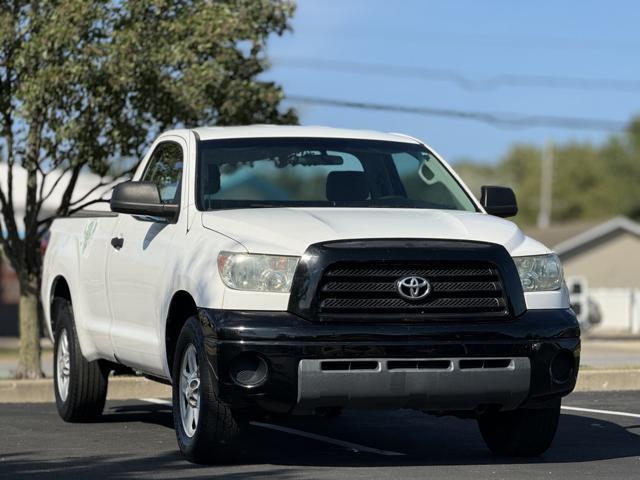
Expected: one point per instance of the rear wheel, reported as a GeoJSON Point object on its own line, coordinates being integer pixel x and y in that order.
{"type": "Point", "coordinates": [525, 432]}
{"type": "Point", "coordinates": [80, 386]}
{"type": "Point", "coordinates": [207, 430]}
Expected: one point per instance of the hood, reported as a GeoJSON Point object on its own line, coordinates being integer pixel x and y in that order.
{"type": "Point", "coordinates": [289, 231]}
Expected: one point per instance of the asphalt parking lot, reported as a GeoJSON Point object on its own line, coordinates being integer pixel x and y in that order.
{"type": "Point", "coordinates": [135, 439]}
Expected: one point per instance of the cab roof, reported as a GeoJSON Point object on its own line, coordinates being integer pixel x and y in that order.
{"type": "Point", "coordinates": [256, 131]}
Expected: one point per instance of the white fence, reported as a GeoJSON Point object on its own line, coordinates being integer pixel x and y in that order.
{"type": "Point", "coordinates": [620, 309]}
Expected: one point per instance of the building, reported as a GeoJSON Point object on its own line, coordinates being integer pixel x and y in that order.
{"type": "Point", "coordinates": [602, 258]}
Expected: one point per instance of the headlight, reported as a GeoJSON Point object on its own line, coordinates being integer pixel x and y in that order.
{"type": "Point", "coordinates": [539, 272]}
{"type": "Point", "coordinates": [258, 273]}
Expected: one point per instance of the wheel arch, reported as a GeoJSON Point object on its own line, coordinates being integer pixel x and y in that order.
{"type": "Point", "coordinates": [181, 308]}
{"type": "Point", "coordinates": [59, 289]}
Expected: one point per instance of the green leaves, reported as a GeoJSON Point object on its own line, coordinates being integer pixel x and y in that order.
{"type": "Point", "coordinates": [101, 78]}
{"type": "Point", "coordinates": [88, 84]}
{"type": "Point", "coordinates": [589, 181]}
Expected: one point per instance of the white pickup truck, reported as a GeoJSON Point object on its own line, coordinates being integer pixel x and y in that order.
{"type": "Point", "coordinates": [301, 270]}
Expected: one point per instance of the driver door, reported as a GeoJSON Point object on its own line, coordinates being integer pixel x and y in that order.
{"type": "Point", "coordinates": [138, 271]}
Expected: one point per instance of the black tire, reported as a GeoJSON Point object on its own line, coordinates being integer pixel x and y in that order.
{"type": "Point", "coordinates": [216, 438]}
{"type": "Point", "coordinates": [87, 381]}
{"type": "Point", "coordinates": [525, 432]}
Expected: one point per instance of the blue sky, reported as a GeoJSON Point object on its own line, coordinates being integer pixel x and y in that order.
{"type": "Point", "coordinates": [477, 39]}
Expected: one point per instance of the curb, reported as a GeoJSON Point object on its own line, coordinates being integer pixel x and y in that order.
{"type": "Point", "coordinates": [41, 391]}
{"type": "Point", "coordinates": [605, 380]}
{"type": "Point", "coordinates": [129, 388]}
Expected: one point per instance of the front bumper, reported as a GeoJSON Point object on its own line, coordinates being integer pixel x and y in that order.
{"type": "Point", "coordinates": [294, 350]}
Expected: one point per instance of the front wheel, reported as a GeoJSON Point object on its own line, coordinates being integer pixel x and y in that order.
{"type": "Point", "coordinates": [525, 432]}
{"type": "Point", "coordinates": [207, 430]}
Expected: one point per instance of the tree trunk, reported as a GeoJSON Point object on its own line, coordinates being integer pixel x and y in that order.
{"type": "Point", "coordinates": [29, 365]}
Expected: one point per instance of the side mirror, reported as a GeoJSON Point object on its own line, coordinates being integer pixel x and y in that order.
{"type": "Point", "coordinates": [499, 201]}
{"type": "Point", "coordinates": [141, 198]}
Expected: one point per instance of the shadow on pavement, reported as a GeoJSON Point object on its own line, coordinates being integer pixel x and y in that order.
{"type": "Point", "coordinates": [425, 441]}
{"type": "Point", "coordinates": [145, 413]}
{"type": "Point", "coordinates": [430, 441]}
{"type": "Point", "coordinates": [90, 467]}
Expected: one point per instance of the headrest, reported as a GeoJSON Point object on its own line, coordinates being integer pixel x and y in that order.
{"type": "Point", "coordinates": [211, 180]}
{"type": "Point", "coordinates": [347, 186]}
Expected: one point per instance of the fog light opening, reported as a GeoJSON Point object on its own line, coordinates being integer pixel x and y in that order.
{"type": "Point", "coordinates": [562, 367]}
{"type": "Point", "coordinates": [249, 370]}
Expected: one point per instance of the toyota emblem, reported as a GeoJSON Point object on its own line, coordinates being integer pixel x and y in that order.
{"type": "Point", "coordinates": [413, 287]}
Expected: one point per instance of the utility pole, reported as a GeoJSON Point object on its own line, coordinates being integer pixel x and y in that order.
{"type": "Point", "coordinates": [546, 186]}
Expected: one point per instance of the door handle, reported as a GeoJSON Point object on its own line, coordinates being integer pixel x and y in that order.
{"type": "Point", "coordinates": [117, 242]}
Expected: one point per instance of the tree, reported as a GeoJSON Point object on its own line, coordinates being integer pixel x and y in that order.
{"type": "Point", "coordinates": [590, 181]}
{"type": "Point", "coordinates": [84, 83]}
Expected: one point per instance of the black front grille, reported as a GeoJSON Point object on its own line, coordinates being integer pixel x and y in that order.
{"type": "Point", "coordinates": [457, 289]}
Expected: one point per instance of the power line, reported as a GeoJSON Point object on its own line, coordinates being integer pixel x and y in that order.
{"type": "Point", "coordinates": [497, 119]}
{"type": "Point", "coordinates": [463, 81]}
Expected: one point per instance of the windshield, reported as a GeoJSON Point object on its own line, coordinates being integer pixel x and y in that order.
{"type": "Point", "coordinates": [321, 172]}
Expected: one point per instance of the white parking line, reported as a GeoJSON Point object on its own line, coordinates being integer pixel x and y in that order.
{"type": "Point", "coordinates": [603, 412]}
{"type": "Point", "coordinates": [157, 401]}
{"type": "Point", "coordinates": [351, 446]}
{"type": "Point", "coordinates": [354, 447]}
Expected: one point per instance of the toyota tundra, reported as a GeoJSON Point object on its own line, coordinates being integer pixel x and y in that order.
{"type": "Point", "coordinates": [303, 270]}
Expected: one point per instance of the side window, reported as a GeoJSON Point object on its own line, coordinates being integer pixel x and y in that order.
{"type": "Point", "coordinates": [165, 170]}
